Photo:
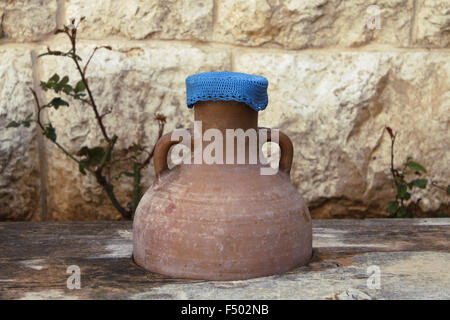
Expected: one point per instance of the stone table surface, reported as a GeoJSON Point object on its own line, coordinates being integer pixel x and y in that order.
{"type": "Point", "coordinates": [411, 255]}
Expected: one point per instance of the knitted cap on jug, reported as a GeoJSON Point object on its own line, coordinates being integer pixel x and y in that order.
{"type": "Point", "coordinates": [214, 86]}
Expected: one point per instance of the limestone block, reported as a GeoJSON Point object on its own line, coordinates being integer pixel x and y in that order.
{"type": "Point", "coordinates": [307, 24]}
{"type": "Point", "coordinates": [27, 20]}
{"type": "Point", "coordinates": [433, 23]}
{"type": "Point", "coordinates": [19, 159]}
{"type": "Point", "coordinates": [334, 106]}
{"type": "Point", "coordinates": [141, 19]}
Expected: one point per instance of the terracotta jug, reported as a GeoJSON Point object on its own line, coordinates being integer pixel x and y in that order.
{"type": "Point", "coordinates": [222, 221]}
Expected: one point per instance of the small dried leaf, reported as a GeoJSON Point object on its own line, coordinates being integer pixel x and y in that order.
{"type": "Point", "coordinates": [391, 133]}
{"type": "Point", "coordinates": [161, 117]}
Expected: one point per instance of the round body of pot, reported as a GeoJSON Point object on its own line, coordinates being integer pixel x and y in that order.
{"type": "Point", "coordinates": [221, 222]}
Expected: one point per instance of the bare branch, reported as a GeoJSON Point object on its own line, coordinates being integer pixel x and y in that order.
{"type": "Point", "coordinates": [394, 172]}
{"type": "Point", "coordinates": [85, 82]}
{"type": "Point", "coordinates": [89, 60]}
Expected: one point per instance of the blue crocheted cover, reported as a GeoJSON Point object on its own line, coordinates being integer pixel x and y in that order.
{"type": "Point", "coordinates": [214, 86]}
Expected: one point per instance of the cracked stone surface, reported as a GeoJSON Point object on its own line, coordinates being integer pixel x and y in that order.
{"type": "Point", "coordinates": [352, 260]}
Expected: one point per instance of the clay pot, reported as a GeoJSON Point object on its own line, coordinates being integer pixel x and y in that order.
{"type": "Point", "coordinates": [222, 221]}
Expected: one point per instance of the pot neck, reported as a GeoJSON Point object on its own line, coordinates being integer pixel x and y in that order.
{"type": "Point", "coordinates": [224, 115]}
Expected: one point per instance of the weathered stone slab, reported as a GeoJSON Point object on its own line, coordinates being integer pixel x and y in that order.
{"type": "Point", "coordinates": [334, 106]}
{"type": "Point", "coordinates": [142, 19]}
{"type": "Point", "coordinates": [411, 255]}
{"type": "Point", "coordinates": [27, 20]}
{"type": "Point", "coordinates": [432, 26]}
{"type": "Point", "coordinates": [308, 24]}
{"type": "Point", "coordinates": [19, 161]}
{"type": "Point", "coordinates": [134, 83]}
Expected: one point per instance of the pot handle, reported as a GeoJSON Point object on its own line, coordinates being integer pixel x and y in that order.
{"type": "Point", "coordinates": [286, 150]}
{"type": "Point", "coordinates": [161, 150]}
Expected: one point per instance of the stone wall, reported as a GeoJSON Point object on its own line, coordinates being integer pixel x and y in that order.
{"type": "Point", "coordinates": [335, 81]}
